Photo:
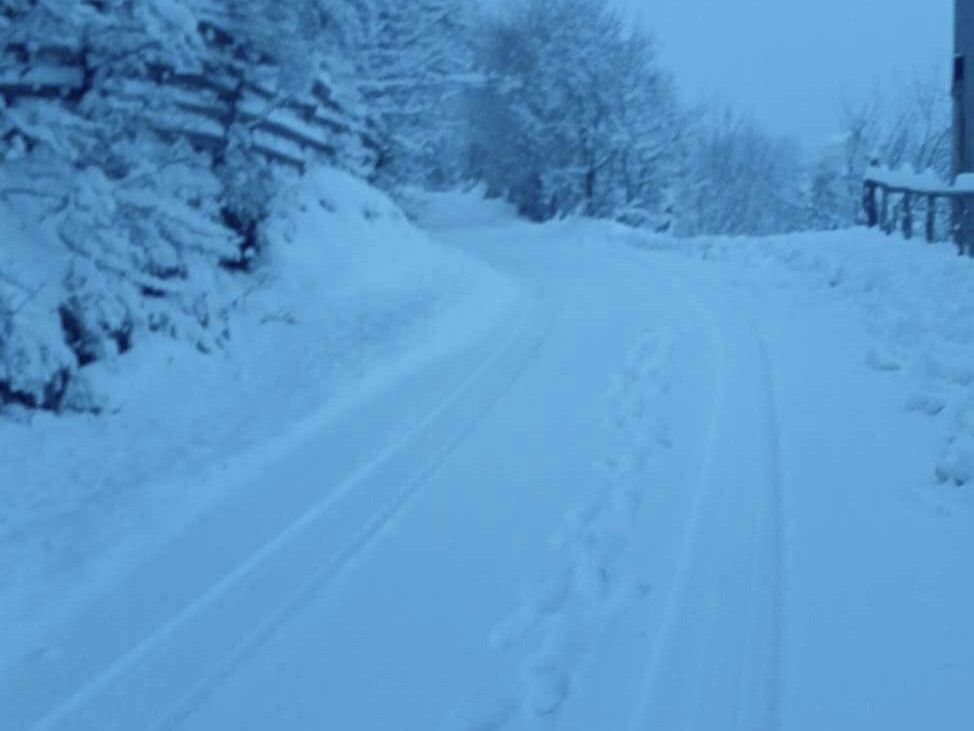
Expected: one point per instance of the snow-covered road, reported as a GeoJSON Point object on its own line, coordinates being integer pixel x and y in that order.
{"type": "Point", "coordinates": [655, 496]}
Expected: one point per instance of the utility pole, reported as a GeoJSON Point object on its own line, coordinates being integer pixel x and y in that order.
{"type": "Point", "coordinates": [963, 96]}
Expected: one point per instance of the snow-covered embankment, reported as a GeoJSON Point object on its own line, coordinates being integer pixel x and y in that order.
{"type": "Point", "coordinates": [353, 297]}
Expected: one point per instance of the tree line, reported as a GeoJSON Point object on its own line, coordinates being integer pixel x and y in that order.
{"type": "Point", "coordinates": [560, 106]}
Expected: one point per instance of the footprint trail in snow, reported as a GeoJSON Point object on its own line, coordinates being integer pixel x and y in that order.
{"type": "Point", "coordinates": [555, 627]}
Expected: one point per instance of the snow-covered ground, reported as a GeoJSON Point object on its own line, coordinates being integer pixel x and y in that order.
{"type": "Point", "coordinates": [355, 297]}
{"type": "Point", "coordinates": [628, 483]}
{"type": "Point", "coordinates": [916, 304]}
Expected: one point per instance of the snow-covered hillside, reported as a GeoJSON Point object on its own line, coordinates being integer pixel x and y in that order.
{"type": "Point", "coordinates": [915, 301]}
{"type": "Point", "coordinates": [355, 296]}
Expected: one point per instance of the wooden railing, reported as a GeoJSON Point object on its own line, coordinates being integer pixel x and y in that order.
{"type": "Point", "coordinates": [894, 201]}
{"type": "Point", "coordinates": [200, 108]}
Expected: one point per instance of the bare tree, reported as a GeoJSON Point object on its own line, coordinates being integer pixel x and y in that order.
{"type": "Point", "coordinates": [739, 179]}
{"type": "Point", "coordinates": [906, 125]}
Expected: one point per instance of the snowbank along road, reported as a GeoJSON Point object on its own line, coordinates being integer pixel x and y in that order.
{"type": "Point", "coordinates": [659, 494]}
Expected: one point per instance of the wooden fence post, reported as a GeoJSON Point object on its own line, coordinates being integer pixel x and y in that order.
{"type": "Point", "coordinates": [907, 215]}
{"type": "Point", "coordinates": [958, 214]}
{"type": "Point", "coordinates": [931, 217]}
{"type": "Point", "coordinates": [884, 210]}
{"type": "Point", "coordinates": [869, 203]}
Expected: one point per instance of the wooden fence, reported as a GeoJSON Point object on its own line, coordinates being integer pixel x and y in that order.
{"type": "Point", "coordinates": [202, 107]}
{"type": "Point", "coordinates": [898, 202]}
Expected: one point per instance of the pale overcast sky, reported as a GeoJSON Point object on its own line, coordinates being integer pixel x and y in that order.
{"type": "Point", "coordinates": [789, 61]}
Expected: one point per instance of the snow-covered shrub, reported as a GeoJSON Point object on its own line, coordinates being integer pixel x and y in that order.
{"type": "Point", "coordinates": [248, 183]}
{"type": "Point", "coordinates": [128, 227]}
{"type": "Point", "coordinates": [35, 363]}
{"type": "Point", "coordinates": [138, 250]}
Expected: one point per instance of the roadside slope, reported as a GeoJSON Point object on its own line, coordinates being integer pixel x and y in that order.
{"type": "Point", "coordinates": [354, 298]}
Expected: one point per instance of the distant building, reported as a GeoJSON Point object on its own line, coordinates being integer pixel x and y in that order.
{"type": "Point", "coordinates": [962, 91]}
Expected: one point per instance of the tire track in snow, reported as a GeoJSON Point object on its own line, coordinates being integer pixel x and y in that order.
{"type": "Point", "coordinates": [72, 712]}
{"type": "Point", "coordinates": [717, 658]}
{"type": "Point", "coordinates": [368, 535]}
{"type": "Point", "coordinates": [776, 517]}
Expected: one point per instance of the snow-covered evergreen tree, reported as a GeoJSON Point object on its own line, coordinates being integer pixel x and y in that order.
{"type": "Point", "coordinates": [135, 214]}
{"type": "Point", "coordinates": [118, 150]}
